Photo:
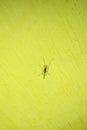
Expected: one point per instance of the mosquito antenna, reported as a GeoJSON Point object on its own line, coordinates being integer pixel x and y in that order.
{"type": "Point", "coordinates": [50, 62]}
{"type": "Point", "coordinates": [44, 60]}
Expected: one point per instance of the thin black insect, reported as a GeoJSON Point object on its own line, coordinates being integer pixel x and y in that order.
{"type": "Point", "coordinates": [45, 69]}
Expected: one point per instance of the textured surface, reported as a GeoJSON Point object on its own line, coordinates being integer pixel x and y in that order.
{"type": "Point", "coordinates": [31, 30]}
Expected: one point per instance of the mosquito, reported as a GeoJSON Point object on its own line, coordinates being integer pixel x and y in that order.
{"type": "Point", "coordinates": [45, 69]}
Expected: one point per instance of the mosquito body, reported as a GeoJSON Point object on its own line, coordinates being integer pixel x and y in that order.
{"type": "Point", "coordinates": [45, 70]}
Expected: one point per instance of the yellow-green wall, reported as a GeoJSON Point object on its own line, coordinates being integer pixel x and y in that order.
{"type": "Point", "coordinates": [33, 30]}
